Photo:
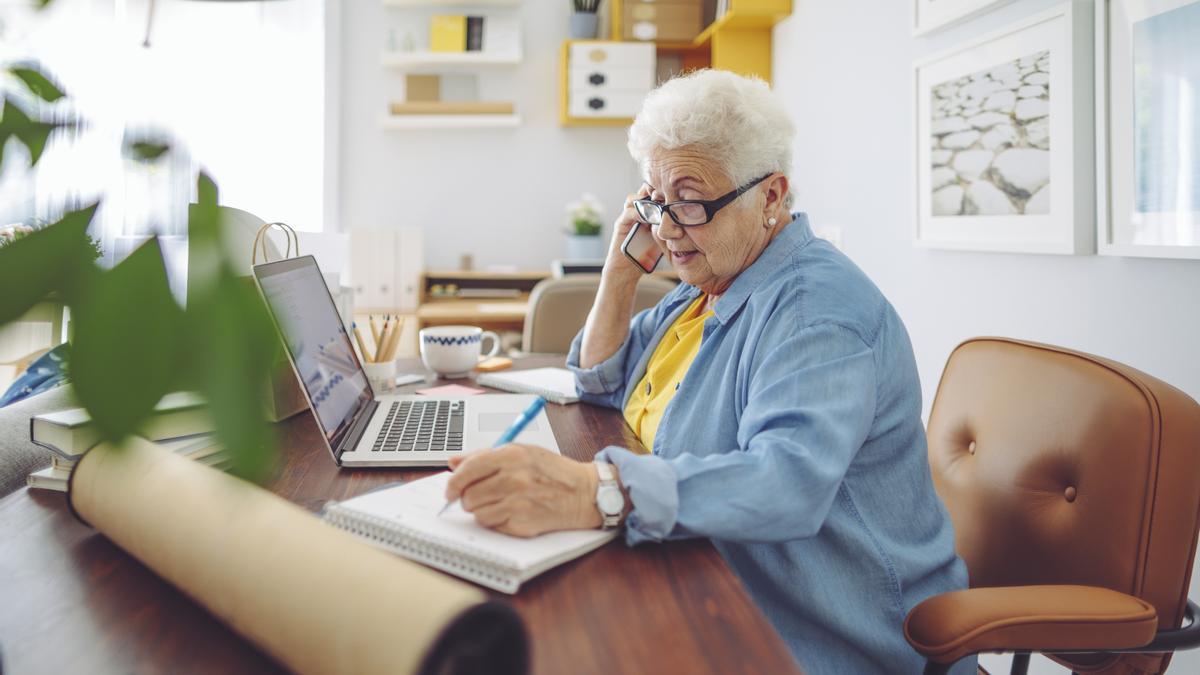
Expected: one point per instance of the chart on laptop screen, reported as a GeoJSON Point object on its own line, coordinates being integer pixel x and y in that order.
{"type": "Point", "coordinates": [320, 348]}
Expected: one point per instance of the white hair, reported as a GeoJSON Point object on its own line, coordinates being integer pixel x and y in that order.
{"type": "Point", "coordinates": [734, 120]}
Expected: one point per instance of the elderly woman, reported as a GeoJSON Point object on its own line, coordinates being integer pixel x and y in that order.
{"type": "Point", "coordinates": [775, 388]}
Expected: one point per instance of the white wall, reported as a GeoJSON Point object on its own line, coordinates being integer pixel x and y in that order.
{"type": "Point", "coordinates": [845, 69]}
{"type": "Point", "coordinates": [497, 194]}
{"type": "Point", "coordinates": [238, 85]}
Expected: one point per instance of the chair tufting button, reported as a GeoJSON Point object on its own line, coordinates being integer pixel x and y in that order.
{"type": "Point", "coordinates": [1069, 493]}
{"type": "Point", "coordinates": [971, 447]}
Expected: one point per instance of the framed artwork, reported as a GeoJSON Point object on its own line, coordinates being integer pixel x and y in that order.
{"type": "Point", "coordinates": [931, 15]}
{"type": "Point", "coordinates": [1004, 138]}
{"type": "Point", "coordinates": [1148, 121]}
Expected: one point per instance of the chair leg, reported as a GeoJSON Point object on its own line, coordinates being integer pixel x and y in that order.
{"type": "Point", "coordinates": [935, 668]}
{"type": "Point", "coordinates": [1020, 664]}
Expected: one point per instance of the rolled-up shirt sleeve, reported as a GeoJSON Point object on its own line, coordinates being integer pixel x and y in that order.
{"type": "Point", "coordinates": [606, 382]}
{"type": "Point", "coordinates": [809, 407]}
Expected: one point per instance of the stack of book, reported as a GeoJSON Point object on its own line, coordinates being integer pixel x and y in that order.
{"type": "Point", "coordinates": [461, 33]}
{"type": "Point", "coordinates": [180, 423]}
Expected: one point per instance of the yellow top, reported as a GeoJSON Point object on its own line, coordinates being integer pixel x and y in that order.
{"type": "Point", "coordinates": [669, 363]}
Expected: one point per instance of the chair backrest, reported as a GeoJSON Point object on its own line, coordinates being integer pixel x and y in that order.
{"type": "Point", "coordinates": [1059, 467]}
{"type": "Point", "coordinates": [558, 308]}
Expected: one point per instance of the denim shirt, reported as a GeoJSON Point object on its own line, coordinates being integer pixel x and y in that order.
{"type": "Point", "coordinates": [795, 444]}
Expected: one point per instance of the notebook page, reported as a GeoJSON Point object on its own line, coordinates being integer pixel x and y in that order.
{"type": "Point", "coordinates": [415, 505]}
{"type": "Point", "coordinates": [560, 381]}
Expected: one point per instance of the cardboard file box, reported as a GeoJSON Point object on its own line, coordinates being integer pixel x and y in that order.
{"type": "Point", "coordinates": [662, 21]}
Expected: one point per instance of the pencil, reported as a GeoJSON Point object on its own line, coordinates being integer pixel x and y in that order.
{"type": "Point", "coordinates": [374, 330]}
{"type": "Point", "coordinates": [361, 346]}
{"type": "Point", "coordinates": [384, 336]}
{"type": "Point", "coordinates": [394, 340]}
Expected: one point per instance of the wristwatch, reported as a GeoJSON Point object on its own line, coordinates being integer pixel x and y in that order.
{"type": "Point", "coordinates": [609, 499]}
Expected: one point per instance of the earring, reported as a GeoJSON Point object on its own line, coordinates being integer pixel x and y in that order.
{"type": "Point", "coordinates": [771, 222]}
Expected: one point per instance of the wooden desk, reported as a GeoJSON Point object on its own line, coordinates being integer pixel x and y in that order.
{"type": "Point", "coordinates": [71, 601]}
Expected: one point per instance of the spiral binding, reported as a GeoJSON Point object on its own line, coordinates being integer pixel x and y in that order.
{"type": "Point", "coordinates": [467, 561]}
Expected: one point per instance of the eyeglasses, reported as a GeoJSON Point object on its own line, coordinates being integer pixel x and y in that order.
{"type": "Point", "coordinates": [691, 212]}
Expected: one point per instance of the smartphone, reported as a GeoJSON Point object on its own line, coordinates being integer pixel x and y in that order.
{"type": "Point", "coordinates": [640, 247]}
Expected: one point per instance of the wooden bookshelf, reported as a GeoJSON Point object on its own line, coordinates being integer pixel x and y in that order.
{"type": "Point", "coordinates": [738, 41]}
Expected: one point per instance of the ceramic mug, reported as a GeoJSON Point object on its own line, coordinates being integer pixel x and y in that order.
{"type": "Point", "coordinates": [453, 351]}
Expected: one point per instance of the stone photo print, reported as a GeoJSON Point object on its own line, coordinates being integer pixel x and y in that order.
{"type": "Point", "coordinates": [990, 134]}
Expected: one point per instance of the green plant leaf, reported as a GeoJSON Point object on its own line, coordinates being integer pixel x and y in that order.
{"type": "Point", "coordinates": [33, 133]}
{"type": "Point", "coordinates": [233, 365]}
{"type": "Point", "coordinates": [54, 258]}
{"type": "Point", "coordinates": [37, 83]}
{"type": "Point", "coordinates": [125, 350]}
{"type": "Point", "coordinates": [147, 151]}
{"type": "Point", "coordinates": [232, 342]}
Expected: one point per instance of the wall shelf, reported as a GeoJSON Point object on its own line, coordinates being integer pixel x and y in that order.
{"type": "Point", "coordinates": [738, 41]}
{"type": "Point", "coordinates": [411, 4]}
{"type": "Point", "coordinates": [427, 59]}
{"type": "Point", "coordinates": [401, 122]}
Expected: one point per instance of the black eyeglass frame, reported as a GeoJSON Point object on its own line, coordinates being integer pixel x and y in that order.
{"type": "Point", "coordinates": [711, 206]}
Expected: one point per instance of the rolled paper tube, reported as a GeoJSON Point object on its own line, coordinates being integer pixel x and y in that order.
{"type": "Point", "coordinates": [316, 599]}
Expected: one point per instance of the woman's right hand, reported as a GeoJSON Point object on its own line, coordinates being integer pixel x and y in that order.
{"type": "Point", "coordinates": [617, 262]}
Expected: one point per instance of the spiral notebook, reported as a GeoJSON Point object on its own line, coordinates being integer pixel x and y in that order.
{"type": "Point", "coordinates": [556, 385]}
{"type": "Point", "coordinates": [403, 519]}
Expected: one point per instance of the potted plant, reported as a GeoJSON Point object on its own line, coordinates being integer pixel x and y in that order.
{"type": "Point", "coordinates": [584, 240]}
{"type": "Point", "coordinates": [131, 341]}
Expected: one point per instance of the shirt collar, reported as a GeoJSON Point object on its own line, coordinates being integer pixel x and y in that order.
{"type": "Point", "coordinates": [795, 235]}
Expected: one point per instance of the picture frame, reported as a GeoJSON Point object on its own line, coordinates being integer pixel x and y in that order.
{"type": "Point", "coordinates": [1148, 155]}
{"type": "Point", "coordinates": [1004, 138]}
{"type": "Point", "coordinates": [932, 15]}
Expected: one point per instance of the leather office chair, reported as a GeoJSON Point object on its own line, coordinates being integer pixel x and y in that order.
{"type": "Point", "coordinates": [1074, 486]}
{"type": "Point", "coordinates": [558, 308]}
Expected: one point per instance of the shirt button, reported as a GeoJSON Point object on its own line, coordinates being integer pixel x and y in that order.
{"type": "Point", "coordinates": [677, 385]}
{"type": "Point", "coordinates": [647, 388]}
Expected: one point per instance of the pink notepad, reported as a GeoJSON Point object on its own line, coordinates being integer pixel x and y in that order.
{"type": "Point", "coordinates": [450, 390]}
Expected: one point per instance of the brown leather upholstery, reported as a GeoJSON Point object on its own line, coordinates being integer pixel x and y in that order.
{"type": "Point", "coordinates": [953, 625]}
{"type": "Point", "coordinates": [1059, 467]}
{"type": "Point", "coordinates": [559, 307]}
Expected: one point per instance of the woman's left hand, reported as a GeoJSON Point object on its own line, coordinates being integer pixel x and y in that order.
{"type": "Point", "coordinates": [525, 490]}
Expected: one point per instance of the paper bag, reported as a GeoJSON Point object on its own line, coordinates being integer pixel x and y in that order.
{"type": "Point", "coordinates": [284, 397]}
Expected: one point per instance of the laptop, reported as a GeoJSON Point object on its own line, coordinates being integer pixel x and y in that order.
{"type": "Point", "coordinates": [359, 427]}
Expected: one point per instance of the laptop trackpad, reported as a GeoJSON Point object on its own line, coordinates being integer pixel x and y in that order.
{"type": "Point", "coordinates": [501, 421]}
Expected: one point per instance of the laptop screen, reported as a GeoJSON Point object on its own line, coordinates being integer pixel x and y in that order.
{"type": "Point", "coordinates": [317, 342]}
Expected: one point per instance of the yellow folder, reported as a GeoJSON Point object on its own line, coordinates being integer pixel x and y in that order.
{"type": "Point", "coordinates": [448, 33]}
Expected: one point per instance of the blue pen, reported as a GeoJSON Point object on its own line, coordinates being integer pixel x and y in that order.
{"type": "Point", "coordinates": [513, 430]}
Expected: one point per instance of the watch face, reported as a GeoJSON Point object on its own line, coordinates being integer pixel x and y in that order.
{"type": "Point", "coordinates": [611, 501]}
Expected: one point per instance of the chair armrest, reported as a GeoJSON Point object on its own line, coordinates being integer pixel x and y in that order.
{"type": "Point", "coordinates": [953, 625]}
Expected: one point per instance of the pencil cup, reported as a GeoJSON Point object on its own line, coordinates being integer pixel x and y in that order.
{"type": "Point", "coordinates": [583, 25]}
{"type": "Point", "coordinates": [453, 351]}
{"type": "Point", "coordinates": [381, 376]}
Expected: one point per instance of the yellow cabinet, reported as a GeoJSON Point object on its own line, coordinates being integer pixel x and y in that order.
{"type": "Point", "coordinates": [604, 82]}
{"type": "Point", "coordinates": [739, 40]}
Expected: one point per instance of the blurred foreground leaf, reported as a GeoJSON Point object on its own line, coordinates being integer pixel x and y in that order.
{"type": "Point", "coordinates": [147, 151]}
{"type": "Point", "coordinates": [126, 346]}
{"type": "Point", "coordinates": [37, 83]}
{"type": "Point", "coordinates": [234, 344]}
{"type": "Point", "coordinates": [15, 122]}
{"type": "Point", "coordinates": [57, 257]}
{"type": "Point", "coordinates": [234, 366]}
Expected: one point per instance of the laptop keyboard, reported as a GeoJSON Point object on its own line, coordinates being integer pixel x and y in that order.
{"type": "Point", "coordinates": [422, 426]}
